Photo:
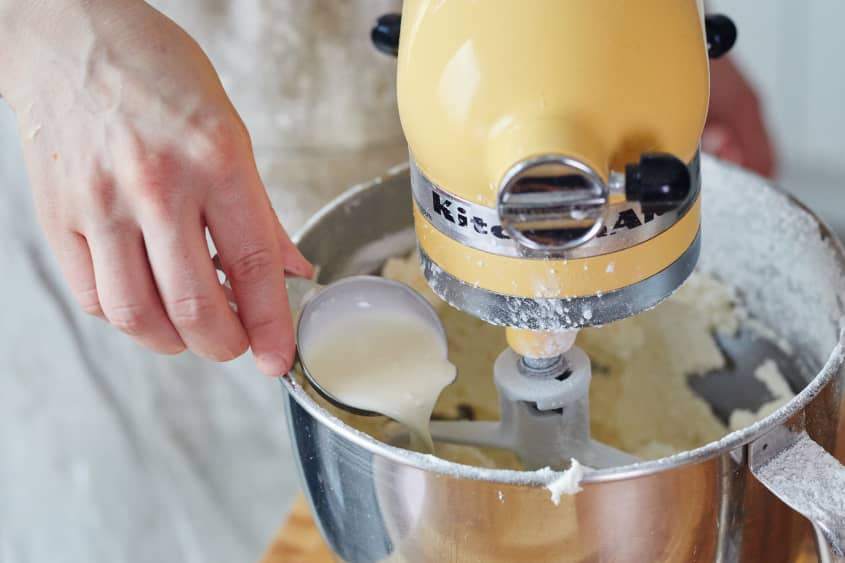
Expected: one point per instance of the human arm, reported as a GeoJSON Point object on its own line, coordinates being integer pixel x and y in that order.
{"type": "Point", "coordinates": [133, 150]}
{"type": "Point", "coordinates": [736, 128]}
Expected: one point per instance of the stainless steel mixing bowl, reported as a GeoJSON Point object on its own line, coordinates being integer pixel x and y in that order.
{"type": "Point", "coordinates": [374, 502]}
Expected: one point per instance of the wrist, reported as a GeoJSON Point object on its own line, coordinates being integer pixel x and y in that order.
{"type": "Point", "coordinates": [45, 41]}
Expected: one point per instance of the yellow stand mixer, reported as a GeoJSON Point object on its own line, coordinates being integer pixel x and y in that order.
{"type": "Point", "coordinates": [555, 174]}
{"type": "Point", "coordinates": [555, 178]}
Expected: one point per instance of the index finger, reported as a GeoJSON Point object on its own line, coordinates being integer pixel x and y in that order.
{"type": "Point", "coordinates": [245, 234]}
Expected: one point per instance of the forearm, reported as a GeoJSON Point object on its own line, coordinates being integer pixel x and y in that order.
{"type": "Point", "coordinates": [14, 15]}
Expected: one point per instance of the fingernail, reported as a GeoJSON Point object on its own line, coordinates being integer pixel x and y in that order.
{"type": "Point", "coordinates": [301, 268]}
{"type": "Point", "coordinates": [273, 363]}
{"type": "Point", "coordinates": [173, 348]}
{"type": "Point", "coordinates": [710, 142]}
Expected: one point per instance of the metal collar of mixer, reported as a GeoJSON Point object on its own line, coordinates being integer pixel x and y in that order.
{"type": "Point", "coordinates": [556, 314]}
{"type": "Point", "coordinates": [480, 227]}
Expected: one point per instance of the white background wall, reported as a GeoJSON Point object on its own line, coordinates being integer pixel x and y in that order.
{"type": "Point", "coordinates": [794, 52]}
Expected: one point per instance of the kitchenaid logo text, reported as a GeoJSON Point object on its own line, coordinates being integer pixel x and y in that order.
{"type": "Point", "coordinates": [462, 217]}
{"type": "Point", "coordinates": [458, 215]}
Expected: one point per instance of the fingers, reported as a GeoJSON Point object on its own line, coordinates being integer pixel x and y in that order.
{"type": "Point", "coordinates": [247, 236]}
{"type": "Point", "coordinates": [742, 142]}
{"type": "Point", "coordinates": [127, 292]}
{"type": "Point", "coordinates": [736, 109]}
{"type": "Point", "coordinates": [71, 250]}
{"type": "Point", "coordinates": [191, 292]}
{"type": "Point", "coordinates": [78, 268]}
{"type": "Point", "coordinates": [162, 291]}
{"type": "Point", "coordinates": [134, 252]}
{"type": "Point", "coordinates": [757, 147]}
{"type": "Point", "coordinates": [295, 263]}
{"type": "Point", "coordinates": [722, 142]}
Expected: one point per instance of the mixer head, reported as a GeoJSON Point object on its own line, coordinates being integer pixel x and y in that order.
{"type": "Point", "coordinates": [554, 152]}
{"type": "Point", "coordinates": [555, 173]}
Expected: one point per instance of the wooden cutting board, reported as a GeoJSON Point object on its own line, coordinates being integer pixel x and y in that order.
{"type": "Point", "coordinates": [299, 541]}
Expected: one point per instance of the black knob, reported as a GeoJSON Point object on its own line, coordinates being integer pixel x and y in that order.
{"type": "Point", "coordinates": [385, 34]}
{"type": "Point", "coordinates": [721, 35]}
{"type": "Point", "coordinates": [660, 182]}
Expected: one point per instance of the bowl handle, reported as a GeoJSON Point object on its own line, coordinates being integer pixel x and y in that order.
{"type": "Point", "coordinates": [808, 479]}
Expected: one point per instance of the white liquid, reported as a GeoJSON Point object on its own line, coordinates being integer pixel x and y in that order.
{"type": "Point", "coordinates": [392, 363]}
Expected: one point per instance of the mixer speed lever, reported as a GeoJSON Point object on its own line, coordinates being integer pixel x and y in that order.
{"type": "Point", "coordinates": [660, 182]}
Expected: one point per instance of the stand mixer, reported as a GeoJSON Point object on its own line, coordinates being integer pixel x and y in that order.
{"type": "Point", "coordinates": [556, 179]}
{"type": "Point", "coordinates": [554, 166]}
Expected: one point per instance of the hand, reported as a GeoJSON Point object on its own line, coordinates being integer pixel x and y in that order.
{"type": "Point", "coordinates": [133, 150]}
{"type": "Point", "coordinates": [736, 130]}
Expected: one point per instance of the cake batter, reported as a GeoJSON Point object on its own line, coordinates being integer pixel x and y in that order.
{"type": "Point", "coordinates": [640, 401]}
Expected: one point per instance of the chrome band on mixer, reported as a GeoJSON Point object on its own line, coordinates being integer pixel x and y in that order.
{"type": "Point", "coordinates": [478, 226]}
{"type": "Point", "coordinates": [557, 314]}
